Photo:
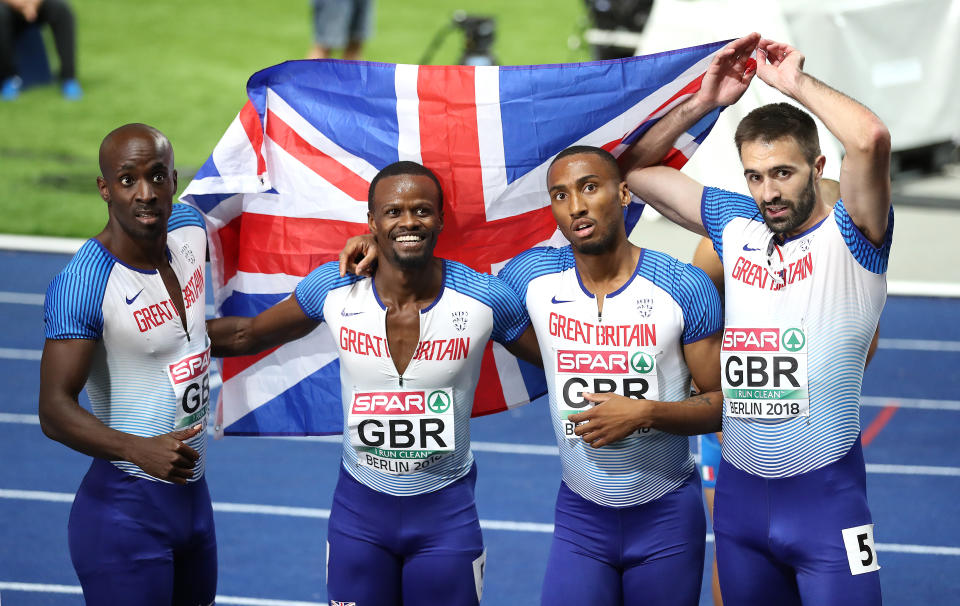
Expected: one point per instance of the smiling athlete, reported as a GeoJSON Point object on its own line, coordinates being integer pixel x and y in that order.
{"type": "Point", "coordinates": [126, 318]}
{"type": "Point", "coordinates": [403, 526]}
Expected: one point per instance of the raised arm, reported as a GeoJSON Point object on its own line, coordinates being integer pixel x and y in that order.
{"type": "Point", "coordinates": [865, 170]}
{"type": "Point", "coordinates": [239, 336]}
{"type": "Point", "coordinates": [672, 193]}
{"type": "Point", "coordinates": [64, 368]}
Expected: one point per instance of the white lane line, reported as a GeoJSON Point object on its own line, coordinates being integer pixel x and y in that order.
{"type": "Point", "coordinates": [509, 525]}
{"type": "Point", "coordinates": [913, 470]}
{"type": "Point", "coordinates": [21, 298]}
{"type": "Point", "coordinates": [918, 344]}
{"type": "Point", "coordinates": [884, 401]}
{"type": "Point", "coordinates": [7, 353]}
{"type": "Point", "coordinates": [221, 599]}
{"type": "Point", "coordinates": [536, 449]}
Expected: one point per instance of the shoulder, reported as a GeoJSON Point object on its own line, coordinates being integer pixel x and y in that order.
{"type": "Point", "coordinates": [73, 306]}
{"type": "Point", "coordinates": [534, 263]}
{"type": "Point", "coordinates": [681, 280]}
{"type": "Point", "coordinates": [184, 215]}
{"type": "Point", "coordinates": [481, 286]}
{"type": "Point", "coordinates": [327, 277]}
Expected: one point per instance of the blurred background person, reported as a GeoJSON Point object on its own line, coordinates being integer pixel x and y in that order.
{"type": "Point", "coordinates": [15, 17]}
{"type": "Point", "coordinates": [340, 24]}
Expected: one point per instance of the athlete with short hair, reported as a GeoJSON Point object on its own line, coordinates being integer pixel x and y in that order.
{"type": "Point", "coordinates": [126, 319]}
{"type": "Point", "coordinates": [403, 527]}
{"type": "Point", "coordinates": [622, 329]}
{"type": "Point", "coordinates": [805, 283]}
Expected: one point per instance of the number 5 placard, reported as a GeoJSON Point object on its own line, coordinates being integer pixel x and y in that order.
{"type": "Point", "coordinates": [861, 554]}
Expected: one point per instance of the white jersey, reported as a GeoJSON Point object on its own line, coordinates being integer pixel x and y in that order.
{"type": "Point", "coordinates": [148, 377]}
{"type": "Point", "coordinates": [635, 349]}
{"type": "Point", "coordinates": [410, 434]}
{"type": "Point", "coordinates": [799, 321]}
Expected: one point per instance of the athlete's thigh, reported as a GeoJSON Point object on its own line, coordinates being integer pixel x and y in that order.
{"type": "Point", "coordinates": [118, 548]}
{"type": "Point", "coordinates": [749, 576]}
{"type": "Point", "coordinates": [453, 578]}
{"type": "Point", "coordinates": [195, 561]}
{"type": "Point", "coordinates": [362, 572]}
{"type": "Point", "coordinates": [195, 573]}
{"type": "Point", "coordinates": [575, 577]}
{"type": "Point", "coordinates": [664, 543]}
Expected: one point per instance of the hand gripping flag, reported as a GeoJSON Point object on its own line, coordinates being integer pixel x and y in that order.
{"type": "Point", "coordinates": [287, 185]}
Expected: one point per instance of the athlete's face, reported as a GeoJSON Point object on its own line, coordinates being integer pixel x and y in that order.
{"type": "Point", "coordinates": [587, 197]}
{"type": "Point", "coordinates": [406, 219]}
{"type": "Point", "coordinates": [782, 183]}
{"type": "Point", "coordinates": [138, 182]}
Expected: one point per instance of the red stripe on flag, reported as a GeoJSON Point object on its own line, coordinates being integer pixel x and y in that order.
{"type": "Point", "coordinates": [270, 244]}
{"type": "Point", "coordinates": [325, 166]}
{"type": "Point", "coordinates": [231, 367]}
{"type": "Point", "coordinates": [877, 425]}
{"type": "Point", "coordinates": [674, 159]}
{"type": "Point", "coordinates": [488, 398]}
{"type": "Point", "coordinates": [250, 121]}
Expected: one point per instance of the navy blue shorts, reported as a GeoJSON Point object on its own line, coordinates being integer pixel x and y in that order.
{"type": "Point", "coordinates": [650, 554]}
{"type": "Point", "coordinates": [134, 541]}
{"type": "Point", "coordinates": [805, 539]}
{"type": "Point", "coordinates": [419, 550]}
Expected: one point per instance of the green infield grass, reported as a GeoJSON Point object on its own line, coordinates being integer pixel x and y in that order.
{"type": "Point", "coordinates": [182, 66]}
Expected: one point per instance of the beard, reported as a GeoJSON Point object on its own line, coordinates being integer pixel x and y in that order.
{"type": "Point", "coordinates": [413, 260]}
{"type": "Point", "coordinates": [604, 243]}
{"type": "Point", "coordinates": [800, 210]}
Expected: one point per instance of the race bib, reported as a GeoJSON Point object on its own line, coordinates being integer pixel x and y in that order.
{"type": "Point", "coordinates": [404, 431]}
{"type": "Point", "coordinates": [627, 373]}
{"type": "Point", "coordinates": [190, 378]}
{"type": "Point", "coordinates": [765, 373]}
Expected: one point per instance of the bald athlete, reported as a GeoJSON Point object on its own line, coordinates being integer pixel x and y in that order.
{"type": "Point", "coordinates": [125, 319]}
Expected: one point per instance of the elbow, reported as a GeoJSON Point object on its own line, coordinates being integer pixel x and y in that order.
{"type": "Point", "coordinates": [49, 426]}
{"type": "Point", "coordinates": [874, 139]}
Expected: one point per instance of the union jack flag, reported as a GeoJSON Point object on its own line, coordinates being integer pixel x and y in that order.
{"type": "Point", "coordinates": [287, 185]}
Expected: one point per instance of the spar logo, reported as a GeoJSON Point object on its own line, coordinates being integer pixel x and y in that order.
{"type": "Point", "coordinates": [752, 339]}
{"type": "Point", "coordinates": [438, 402]}
{"type": "Point", "coordinates": [641, 362]}
{"type": "Point", "coordinates": [793, 339]}
{"type": "Point", "coordinates": [389, 403]}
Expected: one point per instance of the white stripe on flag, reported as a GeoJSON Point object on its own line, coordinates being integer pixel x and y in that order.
{"type": "Point", "coordinates": [305, 193]}
{"type": "Point", "coordinates": [236, 163]}
{"type": "Point", "coordinates": [253, 283]}
{"type": "Point", "coordinates": [276, 373]}
{"type": "Point", "coordinates": [511, 381]}
{"type": "Point", "coordinates": [314, 137]}
{"type": "Point", "coordinates": [408, 113]}
{"type": "Point", "coordinates": [493, 163]}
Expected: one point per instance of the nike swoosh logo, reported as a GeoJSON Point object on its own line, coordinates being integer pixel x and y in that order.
{"type": "Point", "coordinates": [130, 301]}
{"type": "Point", "coordinates": [346, 313]}
{"type": "Point", "coordinates": [554, 300]}
{"type": "Point", "coordinates": [748, 249]}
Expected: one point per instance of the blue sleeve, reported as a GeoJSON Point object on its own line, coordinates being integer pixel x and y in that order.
{"type": "Point", "coordinates": [510, 317]}
{"type": "Point", "coordinates": [311, 292]}
{"type": "Point", "coordinates": [73, 307]}
{"type": "Point", "coordinates": [183, 215]}
{"type": "Point", "coordinates": [690, 287]}
{"type": "Point", "coordinates": [698, 298]}
{"type": "Point", "coordinates": [872, 258]}
{"type": "Point", "coordinates": [718, 207]}
{"type": "Point", "coordinates": [533, 263]}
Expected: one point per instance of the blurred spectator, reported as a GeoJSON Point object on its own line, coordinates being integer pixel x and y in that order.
{"type": "Point", "coordinates": [340, 24]}
{"type": "Point", "coordinates": [15, 17]}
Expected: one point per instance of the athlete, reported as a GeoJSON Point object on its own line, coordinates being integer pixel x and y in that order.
{"type": "Point", "coordinates": [805, 284]}
{"type": "Point", "coordinates": [622, 329]}
{"type": "Point", "coordinates": [403, 527]}
{"type": "Point", "coordinates": [126, 318]}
